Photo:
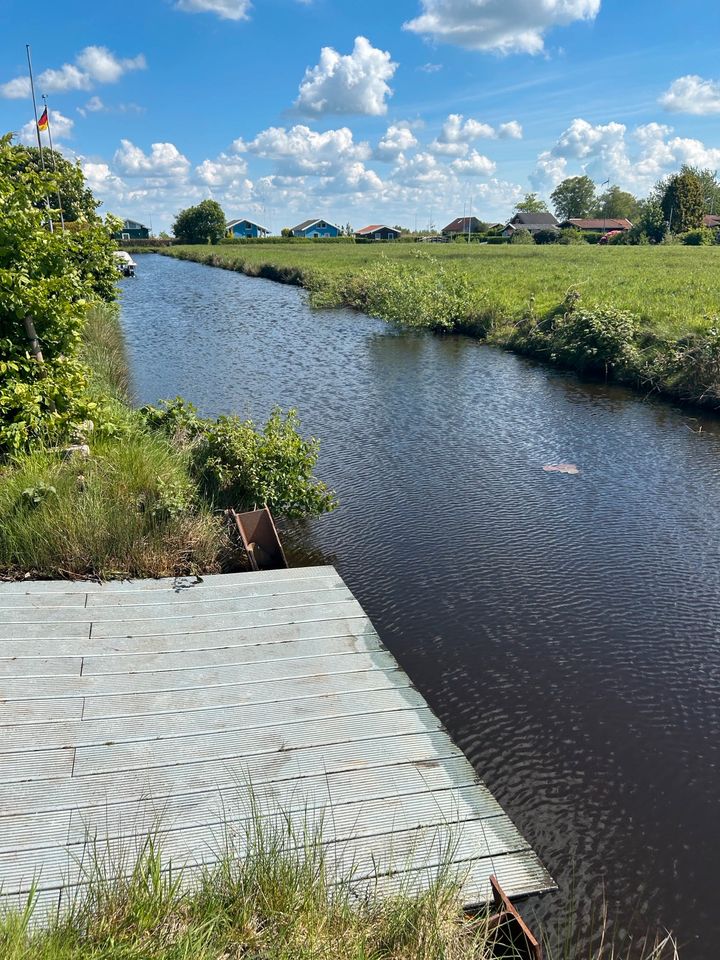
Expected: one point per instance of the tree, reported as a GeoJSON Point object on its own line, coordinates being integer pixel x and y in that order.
{"type": "Point", "coordinates": [617, 204]}
{"type": "Point", "coordinates": [62, 177]}
{"type": "Point", "coordinates": [47, 280]}
{"type": "Point", "coordinates": [710, 187]}
{"type": "Point", "coordinates": [574, 197]}
{"type": "Point", "coordinates": [286, 232]}
{"type": "Point", "coordinates": [683, 204]}
{"type": "Point", "coordinates": [204, 223]}
{"type": "Point", "coordinates": [531, 203]}
{"type": "Point", "coordinates": [649, 225]}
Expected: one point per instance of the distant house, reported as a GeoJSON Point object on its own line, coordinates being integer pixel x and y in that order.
{"type": "Point", "coordinates": [598, 225]}
{"type": "Point", "coordinates": [245, 228]}
{"type": "Point", "coordinates": [463, 225]}
{"type": "Point", "coordinates": [132, 230]}
{"type": "Point", "coordinates": [532, 222]}
{"type": "Point", "coordinates": [377, 231]}
{"type": "Point", "coordinates": [712, 221]}
{"type": "Point", "coordinates": [316, 228]}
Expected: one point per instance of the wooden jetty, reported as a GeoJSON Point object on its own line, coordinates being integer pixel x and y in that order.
{"type": "Point", "coordinates": [128, 707]}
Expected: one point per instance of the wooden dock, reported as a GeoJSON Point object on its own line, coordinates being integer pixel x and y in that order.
{"type": "Point", "coordinates": [126, 707]}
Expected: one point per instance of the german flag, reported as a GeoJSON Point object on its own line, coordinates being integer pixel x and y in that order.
{"type": "Point", "coordinates": [43, 121]}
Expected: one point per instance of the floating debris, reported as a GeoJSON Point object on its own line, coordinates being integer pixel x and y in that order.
{"type": "Point", "coordinates": [561, 468]}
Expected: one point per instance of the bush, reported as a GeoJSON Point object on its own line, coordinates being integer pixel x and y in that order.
{"type": "Point", "coordinates": [593, 340]}
{"type": "Point", "coordinates": [443, 298]}
{"type": "Point", "coordinates": [547, 236]}
{"type": "Point", "coordinates": [237, 465]}
{"type": "Point", "coordinates": [522, 236]}
{"type": "Point", "coordinates": [701, 237]}
{"type": "Point", "coordinates": [571, 235]}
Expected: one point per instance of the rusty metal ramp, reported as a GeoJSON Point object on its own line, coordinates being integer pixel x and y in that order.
{"type": "Point", "coordinates": [163, 705]}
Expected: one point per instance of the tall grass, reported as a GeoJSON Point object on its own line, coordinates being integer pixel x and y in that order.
{"type": "Point", "coordinates": [279, 899]}
{"type": "Point", "coordinates": [125, 511]}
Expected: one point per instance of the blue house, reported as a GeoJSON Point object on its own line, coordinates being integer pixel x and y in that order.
{"type": "Point", "coordinates": [316, 228]}
{"type": "Point", "coordinates": [245, 228]}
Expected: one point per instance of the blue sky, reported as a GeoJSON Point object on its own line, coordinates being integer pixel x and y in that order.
{"type": "Point", "coordinates": [398, 111]}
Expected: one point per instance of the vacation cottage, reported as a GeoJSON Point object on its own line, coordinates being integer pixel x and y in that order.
{"type": "Point", "coordinates": [132, 230]}
{"type": "Point", "coordinates": [377, 231]}
{"type": "Point", "coordinates": [463, 225]}
{"type": "Point", "coordinates": [245, 228]}
{"type": "Point", "coordinates": [532, 222]}
{"type": "Point", "coordinates": [315, 228]}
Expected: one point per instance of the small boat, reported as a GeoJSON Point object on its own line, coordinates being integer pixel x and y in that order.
{"type": "Point", "coordinates": [125, 263]}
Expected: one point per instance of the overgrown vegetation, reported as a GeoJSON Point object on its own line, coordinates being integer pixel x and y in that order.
{"type": "Point", "coordinates": [274, 894]}
{"type": "Point", "coordinates": [646, 316]}
{"type": "Point", "coordinates": [88, 486]}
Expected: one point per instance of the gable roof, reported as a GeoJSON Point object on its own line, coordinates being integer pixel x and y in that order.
{"type": "Point", "coordinates": [545, 219]}
{"type": "Point", "coordinates": [231, 223]}
{"type": "Point", "coordinates": [711, 220]}
{"type": "Point", "coordinates": [309, 223]}
{"type": "Point", "coordinates": [377, 226]}
{"type": "Point", "coordinates": [608, 223]}
{"type": "Point", "coordinates": [134, 225]}
{"type": "Point", "coordinates": [461, 225]}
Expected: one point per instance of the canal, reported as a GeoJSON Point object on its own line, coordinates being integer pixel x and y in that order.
{"type": "Point", "coordinates": [566, 629]}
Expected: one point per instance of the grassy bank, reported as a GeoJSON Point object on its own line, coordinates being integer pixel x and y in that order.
{"type": "Point", "coordinates": [275, 893]}
{"type": "Point", "coordinates": [646, 316]}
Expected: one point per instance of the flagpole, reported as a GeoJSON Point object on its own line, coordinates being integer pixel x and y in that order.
{"type": "Point", "coordinates": [37, 128]}
{"type": "Point", "coordinates": [54, 165]}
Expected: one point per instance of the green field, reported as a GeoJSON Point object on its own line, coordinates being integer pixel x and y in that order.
{"type": "Point", "coordinates": [674, 290]}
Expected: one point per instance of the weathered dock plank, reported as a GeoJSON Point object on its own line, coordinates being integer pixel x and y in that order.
{"type": "Point", "coordinates": [153, 706]}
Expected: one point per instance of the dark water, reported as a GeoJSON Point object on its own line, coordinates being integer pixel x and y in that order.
{"type": "Point", "coordinates": [565, 628]}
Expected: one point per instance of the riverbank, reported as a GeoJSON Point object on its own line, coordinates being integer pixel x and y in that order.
{"type": "Point", "coordinates": [642, 316]}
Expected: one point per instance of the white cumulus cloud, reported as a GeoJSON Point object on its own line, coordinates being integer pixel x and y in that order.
{"type": "Point", "coordinates": [164, 160]}
{"type": "Point", "coordinates": [474, 165]}
{"type": "Point", "coordinates": [397, 138]}
{"type": "Point", "coordinates": [457, 133]}
{"type": "Point", "coordinates": [353, 83]}
{"type": "Point", "coordinates": [692, 94]}
{"type": "Point", "coordinates": [92, 65]}
{"type": "Point", "coordinates": [223, 171]}
{"type": "Point", "coordinates": [504, 26]}
{"type": "Point", "coordinates": [300, 150]}
{"type": "Point", "coordinates": [225, 9]}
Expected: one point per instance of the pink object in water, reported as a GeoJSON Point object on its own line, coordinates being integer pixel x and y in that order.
{"type": "Point", "coordinates": [561, 468]}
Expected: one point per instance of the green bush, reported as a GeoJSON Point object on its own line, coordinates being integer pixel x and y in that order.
{"type": "Point", "coordinates": [702, 237]}
{"type": "Point", "coordinates": [443, 298]}
{"type": "Point", "coordinates": [571, 235]}
{"type": "Point", "coordinates": [237, 465]}
{"type": "Point", "coordinates": [547, 236]}
{"type": "Point", "coordinates": [593, 340]}
{"type": "Point", "coordinates": [522, 236]}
